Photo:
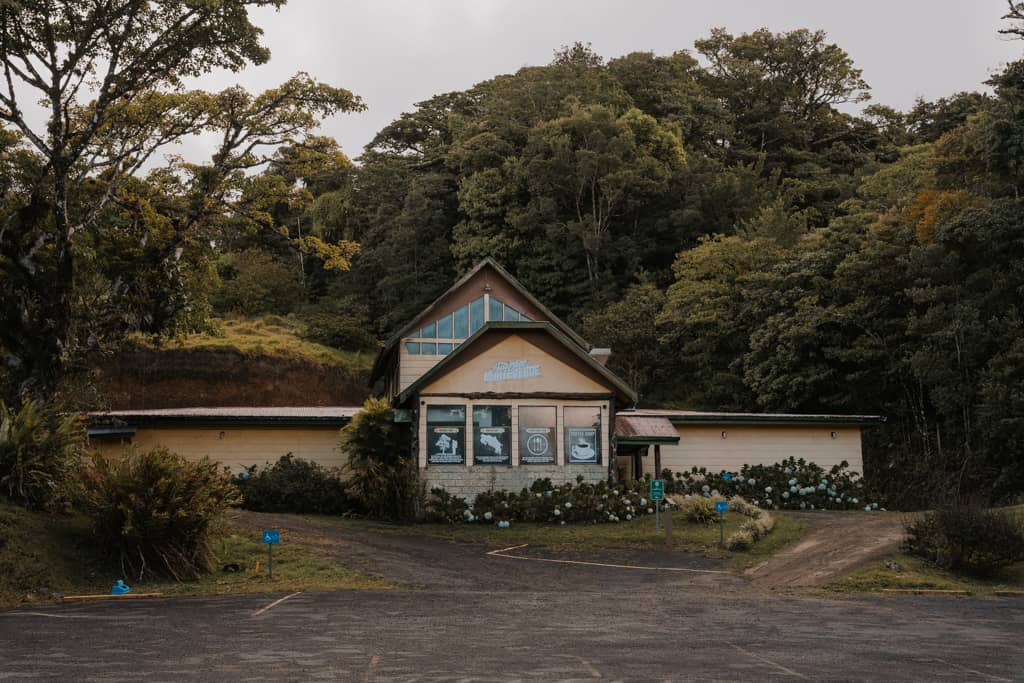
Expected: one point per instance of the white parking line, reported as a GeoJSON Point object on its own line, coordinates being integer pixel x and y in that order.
{"type": "Point", "coordinates": [275, 603]}
{"type": "Point", "coordinates": [44, 614]}
{"type": "Point", "coordinates": [502, 551]}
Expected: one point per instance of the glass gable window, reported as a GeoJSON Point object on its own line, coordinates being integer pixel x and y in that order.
{"type": "Point", "coordinates": [446, 435]}
{"type": "Point", "coordinates": [538, 440]}
{"type": "Point", "coordinates": [495, 312]}
{"type": "Point", "coordinates": [443, 335]}
{"type": "Point", "coordinates": [460, 321]}
{"type": "Point", "coordinates": [492, 435]}
{"type": "Point", "coordinates": [476, 315]}
{"type": "Point", "coordinates": [582, 434]}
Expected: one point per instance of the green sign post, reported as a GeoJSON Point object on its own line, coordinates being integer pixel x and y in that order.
{"type": "Point", "coordinates": [657, 495]}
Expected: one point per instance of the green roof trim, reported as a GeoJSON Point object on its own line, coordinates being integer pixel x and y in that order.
{"type": "Point", "coordinates": [544, 326]}
{"type": "Point", "coordinates": [218, 421]}
{"type": "Point", "coordinates": [391, 344]}
{"type": "Point", "coordinates": [775, 419]}
{"type": "Point", "coordinates": [645, 440]}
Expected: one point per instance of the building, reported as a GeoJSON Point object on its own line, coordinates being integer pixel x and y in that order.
{"type": "Point", "coordinates": [498, 392]}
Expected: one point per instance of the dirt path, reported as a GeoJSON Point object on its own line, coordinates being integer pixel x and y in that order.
{"type": "Point", "coordinates": [834, 544]}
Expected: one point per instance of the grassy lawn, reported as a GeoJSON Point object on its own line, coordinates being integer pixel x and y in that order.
{"type": "Point", "coordinates": [907, 572]}
{"type": "Point", "coordinates": [270, 335]}
{"type": "Point", "coordinates": [43, 556]}
{"type": "Point", "coordinates": [636, 534]}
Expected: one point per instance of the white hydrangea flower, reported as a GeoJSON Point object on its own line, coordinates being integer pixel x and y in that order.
{"type": "Point", "coordinates": [557, 512]}
{"type": "Point", "coordinates": [751, 481]}
{"type": "Point", "coordinates": [767, 489]}
{"type": "Point", "coordinates": [629, 517]}
{"type": "Point", "coordinates": [488, 516]}
{"type": "Point", "coordinates": [568, 505]}
{"type": "Point", "coordinates": [643, 501]}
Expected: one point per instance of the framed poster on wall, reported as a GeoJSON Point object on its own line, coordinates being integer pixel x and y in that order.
{"type": "Point", "coordinates": [582, 435]}
{"type": "Point", "coordinates": [492, 435]}
{"type": "Point", "coordinates": [446, 435]}
{"type": "Point", "coordinates": [538, 441]}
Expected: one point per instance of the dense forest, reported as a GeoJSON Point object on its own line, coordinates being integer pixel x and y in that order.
{"type": "Point", "coordinates": [717, 216]}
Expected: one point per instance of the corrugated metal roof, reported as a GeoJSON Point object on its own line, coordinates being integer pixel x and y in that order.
{"type": "Point", "coordinates": [645, 427]}
{"type": "Point", "coordinates": [305, 415]}
{"type": "Point", "coordinates": [699, 416]}
{"type": "Point", "coordinates": [248, 411]}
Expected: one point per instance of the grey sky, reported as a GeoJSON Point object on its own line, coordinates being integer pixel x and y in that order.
{"type": "Point", "coordinates": [394, 53]}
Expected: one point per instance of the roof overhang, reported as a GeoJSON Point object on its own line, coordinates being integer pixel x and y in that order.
{"type": "Point", "coordinates": [621, 389]}
{"type": "Point", "coordinates": [220, 417]}
{"type": "Point", "coordinates": [778, 419]}
{"type": "Point", "coordinates": [643, 430]}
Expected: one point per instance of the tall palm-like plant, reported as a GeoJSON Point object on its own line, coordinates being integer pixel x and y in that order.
{"type": "Point", "coordinates": [38, 447]}
{"type": "Point", "coordinates": [380, 476]}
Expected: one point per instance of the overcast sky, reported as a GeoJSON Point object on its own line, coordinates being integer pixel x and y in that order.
{"type": "Point", "coordinates": [394, 53]}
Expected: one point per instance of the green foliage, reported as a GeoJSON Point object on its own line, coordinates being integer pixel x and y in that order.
{"type": "Point", "coordinates": [788, 485]}
{"type": "Point", "coordinates": [381, 475]}
{"type": "Point", "coordinates": [39, 447]}
{"type": "Point", "coordinates": [293, 485]}
{"type": "Point", "coordinates": [698, 509]}
{"type": "Point", "coordinates": [155, 510]}
{"type": "Point", "coordinates": [254, 282]}
{"type": "Point", "coordinates": [968, 539]}
{"type": "Point", "coordinates": [345, 332]}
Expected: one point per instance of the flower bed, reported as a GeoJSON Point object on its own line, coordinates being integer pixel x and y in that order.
{"type": "Point", "coordinates": [790, 485]}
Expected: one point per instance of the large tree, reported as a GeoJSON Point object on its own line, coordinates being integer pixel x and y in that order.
{"type": "Point", "coordinates": [110, 76]}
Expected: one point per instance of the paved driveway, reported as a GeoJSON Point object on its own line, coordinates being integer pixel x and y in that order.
{"type": "Point", "coordinates": [523, 620]}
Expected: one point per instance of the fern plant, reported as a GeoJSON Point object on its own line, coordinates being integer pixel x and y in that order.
{"type": "Point", "coordinates": [38, 449]}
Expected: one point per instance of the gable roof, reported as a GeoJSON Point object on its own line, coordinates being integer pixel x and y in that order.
{"type": "Point", "coordinates": [391, 344]}
{"type": "Point", "coordinates": [439, 368]}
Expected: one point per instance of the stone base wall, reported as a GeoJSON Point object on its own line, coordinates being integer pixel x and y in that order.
{"type": "Point", "coordinates": [469, 481]}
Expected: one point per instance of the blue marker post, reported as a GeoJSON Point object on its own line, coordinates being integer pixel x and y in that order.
{"type": "Point", "coordinates": [271, 538]}
{"type": "Point", "coordinates": [721, 507]}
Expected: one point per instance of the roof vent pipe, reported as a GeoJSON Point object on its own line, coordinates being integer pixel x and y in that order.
{"type": "Point", "coordinates": [601, 355]}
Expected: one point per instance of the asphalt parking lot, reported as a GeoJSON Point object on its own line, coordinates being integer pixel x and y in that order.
{"type": "Point", "coordinates": [564, 622]}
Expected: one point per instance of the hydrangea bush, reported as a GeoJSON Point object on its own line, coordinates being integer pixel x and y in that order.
{"type": "Point", "coordinates": [788, 485]}
{"type": "Point", "coordinates": [544, 501]}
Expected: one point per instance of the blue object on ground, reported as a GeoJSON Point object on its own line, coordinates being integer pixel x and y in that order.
{"type": "Point", "coordinates": [120, 588]}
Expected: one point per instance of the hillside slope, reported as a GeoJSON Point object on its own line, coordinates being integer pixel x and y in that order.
{"type": "Point", "coordinates": [261, 362]}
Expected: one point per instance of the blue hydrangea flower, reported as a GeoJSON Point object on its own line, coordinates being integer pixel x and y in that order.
{"type": "Point", "coordinates": [785, 494]}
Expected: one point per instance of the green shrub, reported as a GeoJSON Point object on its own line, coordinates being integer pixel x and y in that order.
{"type": "Point", "coordinates": [155, 509]}
{"type": "Point", "coordinates": [445, 508]}
{"type": "Point", "coordinates": [969, 539]}
{"type": "Point", "coordinates": [697, 509]}
{"type": "Point", "coordinates": [381, 476]}
{"type": "Point", "coordinates": [38, 449]}
{"type": "Point", "coordinates": [344, 332]}
{"type": "Point", "coordinates": [788, 485]}
{"type": "Point", "coordinates": [293, 485]}
{"type": "Point", "coordinates": [740, 540]}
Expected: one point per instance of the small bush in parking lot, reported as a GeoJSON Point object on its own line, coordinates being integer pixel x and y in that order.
{"type": "Point", "coordinates": [968, 538]}
{"type": "Point", "coordinates": [293, 485]}
{"type": "Point", "coordinates": [155, 509]}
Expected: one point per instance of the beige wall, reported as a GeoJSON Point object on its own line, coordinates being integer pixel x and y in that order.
{"type": "Point", "coordinates": [555, 376]}
{"type": "Point", "coordinates": [239, 447]}
{"type": "Point", "coordinates": [703, 446]}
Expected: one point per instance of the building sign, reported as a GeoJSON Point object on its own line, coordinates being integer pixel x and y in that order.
{"type": "Point", "coordinates": [492, 446]}
{"type": "Point", "coordinates": [512, 369]}
{"type": "Point", "coordinates": [446, 445]}
{"type": "Point", "coordinates": [582, 444]}
{"type": "Point", "coordinates": [537, 445]}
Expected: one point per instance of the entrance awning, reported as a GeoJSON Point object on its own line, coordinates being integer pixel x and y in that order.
{"type": "Point", "coordinates": [642, 430]}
